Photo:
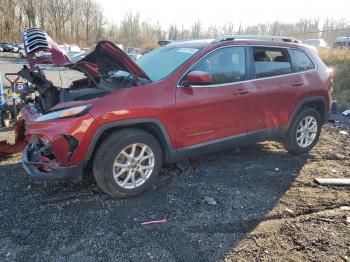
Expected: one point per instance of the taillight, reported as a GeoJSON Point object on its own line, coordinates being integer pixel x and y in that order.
{"type": "Point", "coordinates": [331, 73]}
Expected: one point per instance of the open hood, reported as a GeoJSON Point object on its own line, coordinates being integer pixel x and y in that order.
{"type": "Point", "coordinates": [104, 57]}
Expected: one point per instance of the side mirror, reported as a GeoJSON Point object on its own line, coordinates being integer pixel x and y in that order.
{"type": "Point", "coordinates": [198, 78]}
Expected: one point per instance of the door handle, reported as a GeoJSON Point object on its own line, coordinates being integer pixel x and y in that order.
{"type": "Point", "coordinates": [297, 83]}
{"type": "Point", "coordinates": [241, 92]}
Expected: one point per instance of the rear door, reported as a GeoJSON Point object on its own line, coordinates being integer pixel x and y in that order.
{"type": "Point", "coordinates": [277, 87]}
{"type": "Point", "coordinates": [221, 109]}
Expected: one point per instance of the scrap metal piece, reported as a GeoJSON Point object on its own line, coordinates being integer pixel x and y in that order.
{"type": "Point", "coordinates": [333, 181]}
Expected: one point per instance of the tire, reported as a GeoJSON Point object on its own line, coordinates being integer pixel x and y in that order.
{"type": "Point", "coordinates": [307, 139]}
{"type": "Point", "coordinates": [117, 151]}
{"type": "Point", "coordinates": [5, 119]}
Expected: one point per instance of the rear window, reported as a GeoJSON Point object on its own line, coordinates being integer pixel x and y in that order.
{"type": "Point", "coordinates": [271, 62]}
{"type": "Point", "coordinates": [300, 61]}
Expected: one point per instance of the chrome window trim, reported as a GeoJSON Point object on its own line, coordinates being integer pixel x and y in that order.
{"type": "Point", "coordinates": [250, 80]}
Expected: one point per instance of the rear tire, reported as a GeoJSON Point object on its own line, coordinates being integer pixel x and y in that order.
{"type": "Point", "coordinates": [304, 132]}
{"type": "Point", "coordinates": [127, 163]}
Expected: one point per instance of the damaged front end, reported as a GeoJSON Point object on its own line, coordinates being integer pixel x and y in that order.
{"type": "Point", "coordinates": [56, 142]}
{"type": "Point", "coordinates": [104, 69]}
{"type": "Point", "coordinates": [51, 160]}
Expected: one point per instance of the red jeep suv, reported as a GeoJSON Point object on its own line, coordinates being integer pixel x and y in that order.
{"type": "Point", "coordinates": [127, 118]}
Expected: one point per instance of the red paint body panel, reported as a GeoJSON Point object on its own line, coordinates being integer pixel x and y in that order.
{"type": "Point", "coordinates": [151, 101]}
{"type": "Point", "coordinates": [209, 113]}
{"type": "Point", "coordinates": [276, 98]}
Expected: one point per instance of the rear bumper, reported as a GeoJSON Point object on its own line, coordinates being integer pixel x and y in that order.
{"type": "Point", "coordinates": [48, 171]}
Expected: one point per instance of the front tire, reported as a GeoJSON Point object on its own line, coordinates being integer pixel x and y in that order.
{"type": "Point", "coordinates": [127, 163]}
{"type": "Point", "coordinates": [304, 132]}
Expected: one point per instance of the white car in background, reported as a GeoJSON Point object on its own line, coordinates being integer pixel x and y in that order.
{"type": "Point", "coordinates": [134, 57]}
{"type": "Point", "coordinates": [22, 53]}
{"type": "Point", "coordinates": [73, 51]}
{"type": "Point", "coordinates": [319, 42]}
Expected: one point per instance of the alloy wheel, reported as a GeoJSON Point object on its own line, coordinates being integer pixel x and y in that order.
{"type": "Point", "coordinates": [306, 131]}
{"type": "Point", "coordinates": [133, 166]}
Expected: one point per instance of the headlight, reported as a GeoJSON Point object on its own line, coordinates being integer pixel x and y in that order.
{"type": "Point", "coordinates": [64, 113]}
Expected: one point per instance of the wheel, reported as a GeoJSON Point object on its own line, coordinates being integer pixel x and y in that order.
{"type": "Point", "coordinates": [127, 163]}
{"type": "Point", "coordinates": [5, 119]}
{"type": "Point", "coordinates": [304, 132]}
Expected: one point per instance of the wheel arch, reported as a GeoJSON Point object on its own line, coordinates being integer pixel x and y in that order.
{"type": "Point", "coordinates": [318, 103]}
{"type": "Point", "coordinates": [150, 125]}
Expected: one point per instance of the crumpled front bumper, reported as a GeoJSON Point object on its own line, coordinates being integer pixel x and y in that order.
{"type": "Point", "coordinates": [56, 149]}
{"type": "Point", "coordinates": [50, 171]}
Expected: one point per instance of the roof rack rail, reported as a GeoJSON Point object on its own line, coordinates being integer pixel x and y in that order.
{"type": "Point", "coordinates": [256, 37]}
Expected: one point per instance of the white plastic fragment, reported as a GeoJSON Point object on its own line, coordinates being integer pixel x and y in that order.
{"type": "Point", "coordinates": [290, 211]}
{"type": "Point", "coordinates": [333, 181]}
{"type": "Point", "coordinates": [346, 112]}
{"type": "Point", "coordinates": [210, 201]}
{"type": "Point", "coordinates": [344, 132]}
{"type": "Point", "coordinates": [345, 208]}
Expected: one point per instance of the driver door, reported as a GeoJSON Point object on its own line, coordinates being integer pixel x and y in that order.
{"type": "Point", "coordinates": [217, 110]}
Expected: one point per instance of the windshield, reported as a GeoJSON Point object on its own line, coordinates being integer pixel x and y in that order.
{"type": "Point", "coordinates": [161, 62]}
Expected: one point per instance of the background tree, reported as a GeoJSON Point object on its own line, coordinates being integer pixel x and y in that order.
{"type": "Point", "coordinates": [82, 22]}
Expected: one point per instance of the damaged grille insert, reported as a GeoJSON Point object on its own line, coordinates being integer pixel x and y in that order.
{"type": "Point", "coordinates": [35, 39]}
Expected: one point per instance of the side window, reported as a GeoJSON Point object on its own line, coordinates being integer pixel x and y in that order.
{"type": "Point", "coordinates": [226, 65]}
{"type": "Point", "coordinates": [271, 62]}
{"type": "Point", "coordinates": [300, 61]}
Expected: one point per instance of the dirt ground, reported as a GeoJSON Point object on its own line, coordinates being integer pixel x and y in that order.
{"type": "Point", "coordinates": [267, 208]}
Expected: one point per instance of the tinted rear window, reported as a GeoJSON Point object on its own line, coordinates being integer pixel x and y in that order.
{"type": "Point", "coordinates": [300, 61]}
{"type": "Point", "coordinates": [271, 62]}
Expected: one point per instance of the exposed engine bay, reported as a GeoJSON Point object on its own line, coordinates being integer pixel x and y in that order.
{"type": "Point", "coordinates": [43, 94]}
{"type": "Point", "coordinates": [106, 68]}
{"type": "Point", "coordinates": [103, 69]}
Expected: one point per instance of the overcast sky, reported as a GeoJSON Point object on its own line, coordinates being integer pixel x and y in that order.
{"type": "Point", "coordinates": [219, 12]}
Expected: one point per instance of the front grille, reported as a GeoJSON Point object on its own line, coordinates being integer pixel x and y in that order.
{"type": "Point", "coordinates": [35, 39]}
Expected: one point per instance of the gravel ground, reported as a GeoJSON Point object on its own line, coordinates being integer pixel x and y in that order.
{"type": "Point", "coordinates": [258, 203]}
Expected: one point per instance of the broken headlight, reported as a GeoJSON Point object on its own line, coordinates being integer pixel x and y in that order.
{"type": "Point", "coordinates": [64, 113]}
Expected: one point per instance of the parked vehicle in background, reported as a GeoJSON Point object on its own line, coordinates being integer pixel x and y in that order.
{"type": "Point", "coordinates": [126, 119]}
{"type": "Point", "coordinates": [342, 42]}
{"type": "Point", "coordinates": [17, 47]}
{"type": "Point", "coordinates": [70, 48]}
{"type": "Point", "coordinates": [22, 53]}
{"type": "Point", "coordinates": [73, 51]}
{"type": "Point", "coordinates": [321, 43]}
{"type": "Point", "coordinates": [12, 48]}
{"type": "Point", "coordinates": [43, 54]}
{"type": "Point", "coordinates": [134, 57]}
{"type": "Point", "coordinates": [6, 47]}
{"type": "Point", "coordinates": [164, 42]}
